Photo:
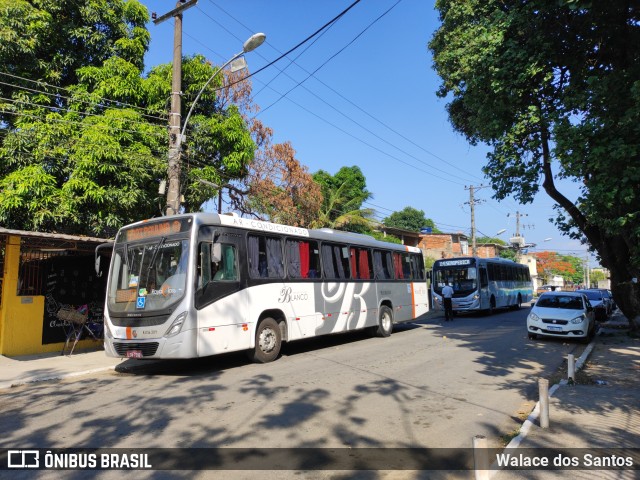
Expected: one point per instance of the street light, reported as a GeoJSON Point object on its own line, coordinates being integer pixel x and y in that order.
{"type": "Point", "coordinates": [251, 44]}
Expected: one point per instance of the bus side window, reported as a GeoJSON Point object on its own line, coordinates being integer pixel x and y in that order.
{"type": "Point", "coordinates": [226, 269]}
{"type": "Point", "coordinates": [266, 259]}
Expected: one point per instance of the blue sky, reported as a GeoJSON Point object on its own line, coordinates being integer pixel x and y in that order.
{"type": "Point", "coordinates": [372, 103]}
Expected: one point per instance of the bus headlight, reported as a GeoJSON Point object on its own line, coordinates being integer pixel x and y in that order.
{"type": "Point", "coordinates": [176, 326]}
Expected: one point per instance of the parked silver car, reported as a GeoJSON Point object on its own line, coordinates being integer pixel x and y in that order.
{"type": "Point", "coordinates": [599, 301]}
{"type": "Point", "coordinates": [562, 315]}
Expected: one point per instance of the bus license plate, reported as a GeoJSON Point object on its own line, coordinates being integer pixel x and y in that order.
{"type": "Point", "coordinates": [134, 354]}
{"type": "Point", "coordinates": [554, 329]}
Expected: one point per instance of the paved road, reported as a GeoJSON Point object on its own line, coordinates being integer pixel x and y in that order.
{"type": "Point", "coordinates": [431, 384]}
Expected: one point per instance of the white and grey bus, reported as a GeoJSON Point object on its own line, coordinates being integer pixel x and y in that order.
{"type": "Point", "coordinates": [201, 284]}
{"type": "Point", "coordinates": [482, 283]}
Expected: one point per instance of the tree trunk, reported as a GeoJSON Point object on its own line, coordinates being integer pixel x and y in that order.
{"type": "Point", "coordinates": [613, 250]}
{"type": "Point", "coordinates": [626, 293]}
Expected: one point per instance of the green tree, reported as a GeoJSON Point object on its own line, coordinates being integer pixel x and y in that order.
{"type": "Point", "coordinates": [50, 40]}
{"type": "Point", "coordinates": [88, 158]}
{"type": "Point", "coordinates": [70, 160]}
{"type": "Point", "coordinates": [483, 240]}
{"type": "Point", "coordinates": [597, 276]}
{"type": "Point", "coordinates": [509, 254]}
{"type": "Point", "coordinates": [343, 195]}
{"type": "Point", "coordinates": [552, 87]}
{"type": "Point", "coordinates": [409, 218]}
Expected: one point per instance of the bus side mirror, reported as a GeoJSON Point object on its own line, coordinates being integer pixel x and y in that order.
{"type": "Point", "coordinates": [429, 275]}
{"type": "Point", "coordinates": [216, 252]}
{"type": "Point", "coordinates": [97, 259]}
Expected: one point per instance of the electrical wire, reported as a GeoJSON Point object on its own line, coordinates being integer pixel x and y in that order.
{"type": "Point", "coordinates": [38, 82]}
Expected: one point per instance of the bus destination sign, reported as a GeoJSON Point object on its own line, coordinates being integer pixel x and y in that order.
{"type": "Point", "coordinates": [455, 263]}
{"type": "Point", "coordinates": [155, 229]}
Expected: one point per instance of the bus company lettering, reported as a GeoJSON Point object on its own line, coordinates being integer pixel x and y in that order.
{"type": "Point", "coordinates": [264, 226]}
{"type": "Point", "coordinates": [287, 295]}
{"type": "Point", "coordinates": [165, 291]}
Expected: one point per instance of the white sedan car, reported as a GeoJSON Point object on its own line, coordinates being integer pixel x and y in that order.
{"type": "Point", "coordinates": [562, 315]}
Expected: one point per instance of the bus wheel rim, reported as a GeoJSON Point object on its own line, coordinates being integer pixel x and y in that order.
{"type": "Point", "coordinates": [267, 340]}
{"type": "Point", "coordinates": [386, 321]}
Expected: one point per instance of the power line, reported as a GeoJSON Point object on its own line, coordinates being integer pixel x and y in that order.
{"type": "Point", "coordinates": [344, 98]}
{"type": "Point", "coordinates": [38, 82]}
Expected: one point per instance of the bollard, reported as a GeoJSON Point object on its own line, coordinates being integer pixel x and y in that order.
{"type": "Point", "coordinates": [571, 369]}
{"type": "Point", "coordinates": [543, 387]}
{"type": "Point", "coordinates": [480, 458]}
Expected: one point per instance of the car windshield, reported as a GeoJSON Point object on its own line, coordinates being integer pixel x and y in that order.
{"type": "Point", "coordinates": [148, 276]}
{"type": "Point", "coordinates": [593, 295]}
{"type": "Point", "coordinates": [569, 302]}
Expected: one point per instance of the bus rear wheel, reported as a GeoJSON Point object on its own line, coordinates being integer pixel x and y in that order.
{"type": "Point", "coordinates": [385, 322]}
{"type": "Point", "coordinates": [268, 341]}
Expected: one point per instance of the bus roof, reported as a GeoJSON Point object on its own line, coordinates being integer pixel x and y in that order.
{"type": "Point", "coordinates": [326, 234]}
{"type": "Point", "coordinates": [458, 261]}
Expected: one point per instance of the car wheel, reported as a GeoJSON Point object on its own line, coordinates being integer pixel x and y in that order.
{"type": "Point", "coordinates": [532, 336]}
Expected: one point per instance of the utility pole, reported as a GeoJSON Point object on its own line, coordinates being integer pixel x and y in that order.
{"type": "Point", "coordinates": [472, 204]}
{"type": "Point", "coordinates": [586, 270]}
{"type": "Point", "coordinates": [175, 140]}
{"type": "Point", "coordinates": [517, 241]}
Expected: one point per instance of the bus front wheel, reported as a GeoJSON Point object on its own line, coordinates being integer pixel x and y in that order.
{"type": "Point", "coordinates": [492, 305]}
{"type": "Point", "coordinates": [385, 322]}
{"type": "Point", "coordinates": [268, 341]}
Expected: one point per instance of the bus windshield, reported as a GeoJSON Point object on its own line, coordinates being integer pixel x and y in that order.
{"type": "Point", "coordinates": [148, 276]}
{"type": "Point", "coordinates": [464, 280]}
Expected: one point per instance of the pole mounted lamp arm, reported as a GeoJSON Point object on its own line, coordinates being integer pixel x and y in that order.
{"type": "Point", "coordinates": [252, 43]}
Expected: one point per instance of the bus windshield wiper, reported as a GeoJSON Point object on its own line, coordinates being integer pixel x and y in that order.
{"type": "Point", "coordinates": [153, 258]}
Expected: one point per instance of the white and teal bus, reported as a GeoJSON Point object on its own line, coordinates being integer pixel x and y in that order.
{"type": "Point", "coordinates": [481, 283]}
{"type": "Point", "coordinates": [202, 284]}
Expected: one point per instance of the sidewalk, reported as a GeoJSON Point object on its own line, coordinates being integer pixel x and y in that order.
{"type": "Point", "coordinates": [21, 370]}
{"type": "Point", "coordinates": [602, 410]}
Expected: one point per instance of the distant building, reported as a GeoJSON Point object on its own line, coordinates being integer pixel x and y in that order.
{"type": "Point", "coordinates": [444, 245]}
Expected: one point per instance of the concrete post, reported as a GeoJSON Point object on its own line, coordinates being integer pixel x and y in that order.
{"type": "Point", "coordinates": [571, 368]}
{"type": "Point", "coordinates": [480, 458]}
{"type": "Point", "coordinates": [543, 387]}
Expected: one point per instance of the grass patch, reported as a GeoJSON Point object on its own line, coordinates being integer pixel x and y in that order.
{"type": "Point", "coordinates": [507, 437]}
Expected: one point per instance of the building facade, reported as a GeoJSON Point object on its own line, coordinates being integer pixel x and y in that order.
{"type": "Point", "coordinates": [44, 275]}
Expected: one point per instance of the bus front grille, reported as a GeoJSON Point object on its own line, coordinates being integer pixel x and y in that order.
{"type": "Point", "coordinates": [147, 349]}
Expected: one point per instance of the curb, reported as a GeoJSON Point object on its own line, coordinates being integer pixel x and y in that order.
{"type": "Point", "coordinates": [533, 416]}
{"type": "Point", "coordinates": [61, 376]}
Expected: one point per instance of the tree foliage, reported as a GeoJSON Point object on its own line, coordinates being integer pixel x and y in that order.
{"type": "Point", "coordinates": [410, 218]}
{"type": "Point", "coordinates": [84, 143]}
{"type": "Point", "coordinates": [275, 186]}
{"type": "Point", "coordinates": [50, 40]}
{"type": "Point", "coordinates": [568, 267]}
{"type": "Point", "coordinates": [279, 188]}
{"type": "Point", "coordinates": [553, 87]}
{"type": "Point", "coordinates": [342, 197]}
{"type": "Point", "coordinates": [70, 160]}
